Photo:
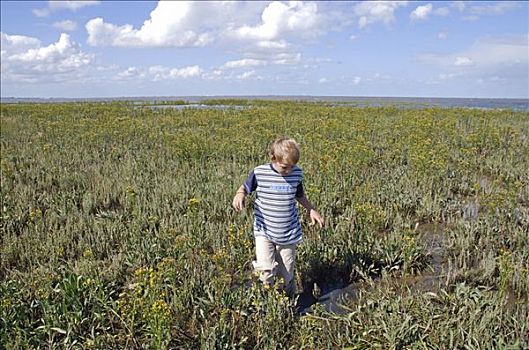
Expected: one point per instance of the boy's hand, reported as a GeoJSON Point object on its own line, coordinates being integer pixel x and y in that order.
{"type": "Point", "coordinates": [238, 201]}
{"type": "Point", "coordinates": [315, 217]}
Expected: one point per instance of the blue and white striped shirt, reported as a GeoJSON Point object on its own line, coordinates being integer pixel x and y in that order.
{"type": "Point", "coordinates": [275, 212]}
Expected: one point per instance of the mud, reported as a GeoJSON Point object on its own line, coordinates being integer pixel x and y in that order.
{"type": "Point", "coordinates": [335, 295]}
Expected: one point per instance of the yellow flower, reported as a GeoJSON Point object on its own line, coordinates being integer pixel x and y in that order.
{"type": "Point", "coordinates": [193, 202]}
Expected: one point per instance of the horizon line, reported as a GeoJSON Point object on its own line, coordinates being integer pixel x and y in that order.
{"type": "Point", "coordinates": [252, 96]}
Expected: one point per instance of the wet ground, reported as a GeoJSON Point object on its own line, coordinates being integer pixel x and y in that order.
{"type": "Point", "coordinates": [196, 106]}
{"type": "Point", "coordinates": [332, 296]}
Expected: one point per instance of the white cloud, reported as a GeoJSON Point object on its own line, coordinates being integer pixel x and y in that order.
{"type": "Point", "coordinates": [286, 58]}
{"type": "Point", "coordinates": [177, 24]}
{"type": "Point", "coordinates": [248, 75]}
{"type": "Point", "coordinates": [323, 80]}
{"type": "Point", "coordinates": [442, 11]}
{"type": "Point", "coordinates": [24, 59]}
{"type": "Point", "coordinates": [352, 37]}
{"type": "Point", "coordinates": [63, 5]}
{"type": "Point", "coordinates": [71, 5]}
{"type": "Point", "coordinates": [170, 24]}
{"type": "Point", "coordinates": [273, 45]}
{"type": "Point", "coordinates": [496, 9]}
{"type": "Point", "coordinates": [472, 11]}
{"type": "Point", "coordinates": [245, 62]}
{"type": "Point", "coordinates": [44, 12]}
{"type": "Point", "coordinates": [463, 61]}
{"type": "Point", "coordinates": [216, 74]}
{"type": "Point", "coordinates": [505, 57]}
{"type": "Point", "coordinates": [186, 72]}
{"type": "Point", "coordinates": [424, 11]}
{"type": "Point", "coordinates": [421, 12]}
{"type": "Point", "coordinates": [264, 59]}
{"type": "Point", "coordinates": [158, 73]}
{"type": "Point", "coordinates": [66, 25]}
{"type": "Point", "coordinates": [448, 76]}
{"type": "Point", "coordinates": [280, 18]}
{"type": "Point", "coordinates": [131, 72]}
{"type": "Point", "coordinates": [442, 35]}
{"type": "Point", "coordinates": [356, 80]}
{"type": "Point", "coordinates": [489, 52]}
{"type": "Point", "coordinates": [369, 12]}
{"type": "Point", "coordinates": [264, 33]}
{"type": "Point", "coordinates": [15, 44]}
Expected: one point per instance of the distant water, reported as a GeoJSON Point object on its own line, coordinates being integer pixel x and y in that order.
{"type": "Point", "coordinates": [411, 102]}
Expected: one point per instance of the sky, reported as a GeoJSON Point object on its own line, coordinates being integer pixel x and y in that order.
{"type": "Point", "coordinates": [92, 49]}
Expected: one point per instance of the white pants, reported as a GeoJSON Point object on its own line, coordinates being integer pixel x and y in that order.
{"type": "Point", "coordinates": [275, 260]}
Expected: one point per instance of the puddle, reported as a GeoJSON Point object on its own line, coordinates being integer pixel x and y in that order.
{"type": "Point", "coordinates": [471, 211]}
{"type": "Point", "coordinates": [330, 297]}
{"type": "Point", "coordinates": [333, 295]}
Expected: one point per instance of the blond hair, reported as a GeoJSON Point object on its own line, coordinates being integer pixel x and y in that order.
{"type": "Point", "coordinates": [285, 149]}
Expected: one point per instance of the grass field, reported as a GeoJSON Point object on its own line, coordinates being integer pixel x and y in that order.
{"type": "Point", "coordinates": [116, 227]}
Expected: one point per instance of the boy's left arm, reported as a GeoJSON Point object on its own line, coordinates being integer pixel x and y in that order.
{"type": "Point", "coordinates": [313, 213]}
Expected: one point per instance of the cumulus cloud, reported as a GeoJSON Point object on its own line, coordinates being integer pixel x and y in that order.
{"type": "Point", "coordinates": [170, 24]}
{"type": "Point", "coordinates": [25, 59]}
{"type": "Point", "coordinates": [15, 44]}
{"type": "Point", "coordinates": [66, 25]}
{"type": "Point", "coordinates": [421, 12]}
{"type": "Point", "coordinates": [258, 26]}
{"type": "Point", "coordinates": [280, 18]}
{"type": "Point", "coordinates": [174, 24]}
{"type": "Point", "coordinates": [63, 5]}
{"type": "Point", "coordinates": [369, 12]}
{"type": "Point", "coordinates": [158, 73]}
{"type": "Point", "coordinates": [356, 80]}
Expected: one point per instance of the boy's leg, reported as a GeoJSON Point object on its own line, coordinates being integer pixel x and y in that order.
{"type": "Point", "coordinates": [265, 264]}
{"type": "Point", "coordinates": [286, 258]}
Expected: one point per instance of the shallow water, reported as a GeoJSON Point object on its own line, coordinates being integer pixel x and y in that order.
{"type": "Point", "coordinates": [196, 106]}
{"type": "Point", "coordinates": [333, 296]}
{"type": "Point", "coordinates": [517, 104]}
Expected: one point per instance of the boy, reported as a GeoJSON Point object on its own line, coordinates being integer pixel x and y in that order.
{"type": "Point", "coordinates": [277, 229]}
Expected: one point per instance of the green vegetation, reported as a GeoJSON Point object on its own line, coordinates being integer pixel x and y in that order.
{"type": "Point", "coordinates": [116, 229]}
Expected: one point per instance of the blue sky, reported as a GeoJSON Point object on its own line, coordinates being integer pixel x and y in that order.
{"type": "Point", "coordinates": [169, 48]}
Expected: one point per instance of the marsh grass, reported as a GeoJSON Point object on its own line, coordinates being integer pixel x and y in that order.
{"type": "Point", "coordinates": [117, 231]}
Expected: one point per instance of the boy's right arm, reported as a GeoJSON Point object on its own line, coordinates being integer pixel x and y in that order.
{"type": "Point", "coordinates": [238, 200]}
{"type": "Point", "coordinates": [248, 187]}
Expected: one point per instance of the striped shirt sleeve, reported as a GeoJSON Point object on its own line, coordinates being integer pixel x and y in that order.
{"type": "Point", "coordinates": [300, 192]}
{"type": "Point", "coordinates": [250, 184]}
